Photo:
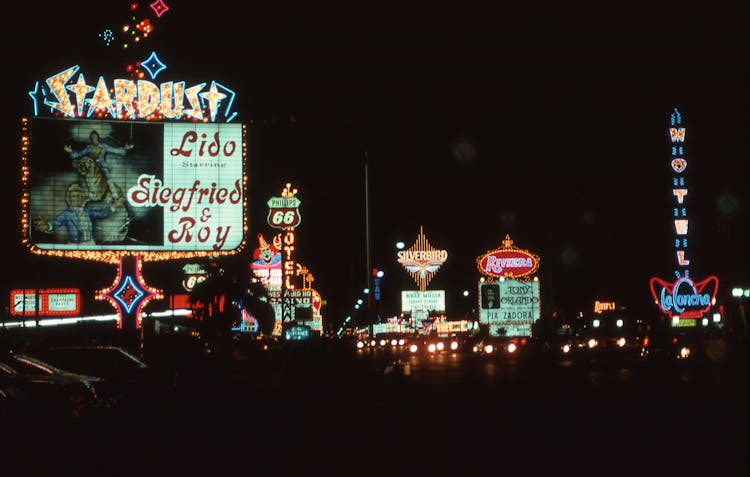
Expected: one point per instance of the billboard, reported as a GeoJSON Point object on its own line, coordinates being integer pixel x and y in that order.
{"type": "Point", "coordinates": [509, 307]}
{"type": "Point", "coordinates": [96, 189]}
{"type": "Point", "coordinates": [51, 301]}
{"type": "Point", "coordinates": [413, 300]}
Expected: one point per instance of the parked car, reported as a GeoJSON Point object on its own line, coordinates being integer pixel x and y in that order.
{"type": "Point", "coordinates": [31, 390]}
{"type": "Point", "coordinates": [125, 381]}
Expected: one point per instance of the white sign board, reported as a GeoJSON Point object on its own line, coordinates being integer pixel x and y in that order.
{"type": "Point", "coordinates": [509, 307]}
{"type": "Point", "coordinates": [412, 300]}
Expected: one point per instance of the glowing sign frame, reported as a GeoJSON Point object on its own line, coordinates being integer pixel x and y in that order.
{"type": "Point", "coordinates": [129, 279]}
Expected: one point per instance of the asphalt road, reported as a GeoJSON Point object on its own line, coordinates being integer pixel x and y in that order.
{"type": "Point", "coordinates": [331, 410]}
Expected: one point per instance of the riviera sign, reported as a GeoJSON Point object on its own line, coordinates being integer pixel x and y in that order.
{"type": "Point", "coordinates": [508, 261]}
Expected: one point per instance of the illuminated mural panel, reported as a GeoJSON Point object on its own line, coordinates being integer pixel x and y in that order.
{"type": "Point", "coordinates": [96, 189]}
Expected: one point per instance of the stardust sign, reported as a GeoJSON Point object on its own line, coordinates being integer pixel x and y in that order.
{"type": "Point", "coordinates": [128, 99]}
{"type": "Point", "coordinates": [508, 261]}
{"type": "Point", "coordinates": [93, 189]}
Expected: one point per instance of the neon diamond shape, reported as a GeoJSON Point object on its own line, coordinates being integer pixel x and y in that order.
{"type": "Point", "coordinates": [159, 8]}
{"type": "Point", "coordinates": [153, 65]}
{"type": "Point", "coordinates": [129, 294]}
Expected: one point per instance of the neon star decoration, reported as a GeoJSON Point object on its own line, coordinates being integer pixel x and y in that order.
{"type": "Point", "coordinates": [33, 94]}
{"type": "Point", "coordinates": [422, 261]}
{"type": "Point", "coordinates": [107, 35]}
{"type": "Point", "coordinates": [153, 65]}
{"type": "Point", "coordinates": [159, 8]}
{"type": "Point", "coordinates": [129, 294]}
{"type": "Point", "coordinates": [213, 96]}
{"type": "Point", "coordinates": [81, 89]}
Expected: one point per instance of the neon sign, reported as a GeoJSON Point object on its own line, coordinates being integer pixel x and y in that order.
{"type": "Point", "coordinates": [129, 99]}
{"type": "Point", "coordinates": [422, 261]}
{"type": "Point", "coordinates": [508, 261]}
{"type": "Point", "coordinates": [684, 299]}
{"type": "Point", "coordinates": [129, 294]}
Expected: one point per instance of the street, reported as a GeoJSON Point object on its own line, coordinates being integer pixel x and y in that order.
{"type": "Point", "coordinates": [328, 409]}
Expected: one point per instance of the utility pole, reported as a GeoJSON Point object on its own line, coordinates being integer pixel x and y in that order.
{"type": "Point", "coordinates": [368, 266]}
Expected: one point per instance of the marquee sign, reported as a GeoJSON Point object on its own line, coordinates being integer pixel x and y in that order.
{"type": "Point", "coordinates": [509, 307]}
{"type": "Point", "coordinates": [684, 299]}
{"type": "Point", "coordinates": [414, 300]}
{"type": "Point", "coordinates": [128, 99]}
{"type": "Point", "coordinates": [508, 261]}
{"type": "Point", "coordinates": [46, 302]}
{"type": "Point", "coordinates": [422, 261]}
{"type": "Point", "coordinates": [97, 189]}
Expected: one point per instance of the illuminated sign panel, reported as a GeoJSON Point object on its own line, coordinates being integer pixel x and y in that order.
{"type": "Point", "coordinates": [509, 307]}
{"type": "Point", "coordinates": [162, 190]}
{"type": "Point", "coordinates": [508, 261]}
{"type": "Point", "coordinates": [422, 261]}
{"type": "Point", "coordinates": [413, 300]}
{"type": "Point", "coordinates": [52, 302]}
{"type": "Point", "coordinates": [601, 306]}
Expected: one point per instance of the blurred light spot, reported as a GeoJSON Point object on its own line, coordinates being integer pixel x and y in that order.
{"type": "Point", "coordinates": [508, 218]}
{"type": "Point", "coordinates": [588, 218]}
{"type": "Point", "coordinates": [464, 151]}
{"type": "Point", "coordinates": [569, 256]}
{"type": "Point", "coordinates": [727, 205]}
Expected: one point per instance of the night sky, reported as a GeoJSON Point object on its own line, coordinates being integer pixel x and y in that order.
{"type": "Point", "coordinates": [547, 123]}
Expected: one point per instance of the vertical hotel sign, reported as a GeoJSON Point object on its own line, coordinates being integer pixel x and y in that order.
{"type": "Point", "coordinates": [283, 213]}
{"type": "Point", "coordinates": [684, 300]}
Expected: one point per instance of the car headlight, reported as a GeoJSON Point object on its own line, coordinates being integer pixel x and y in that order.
{"type": "Point", "coordinates": [621, 342]}
{"type": "Point", "coordinates": [489, 349]}
{"type": "Point", "coordinates": [684, 352]}
{"type": "Point", "coordinates": [440, 346]}
{"type": "Point", "coordinates": [413, 348]}
{"type": "Point", "coordinates": [454, 345]}
{"type": "Point", "coordinates": [566, 348]}
{"type": "Point", "coordinates": [360, 345]}
{"type": "Point", "coordinates": [394, 342]}
{"type": "Point", "coordinates": [512, 348]}
{"type": "Point", "coordinates": [592, 343]}
{"type": "Point", "coordinates": [431, 347]}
